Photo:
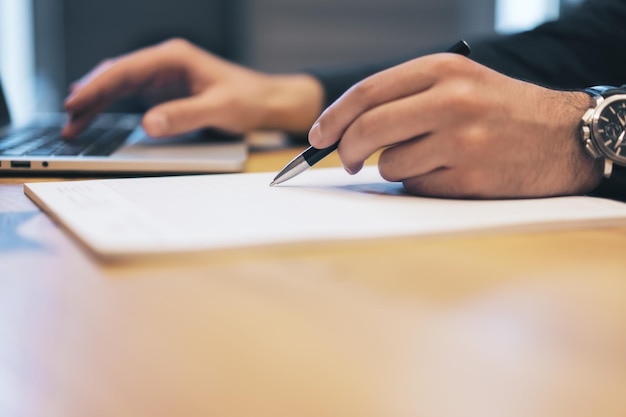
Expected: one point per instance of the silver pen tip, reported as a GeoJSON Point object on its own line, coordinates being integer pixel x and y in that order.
{"type": "Point", "coordinates": [273, 183]}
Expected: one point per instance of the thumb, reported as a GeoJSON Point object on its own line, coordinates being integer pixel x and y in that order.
{"type": "Point", "coordinates": [180, 116]}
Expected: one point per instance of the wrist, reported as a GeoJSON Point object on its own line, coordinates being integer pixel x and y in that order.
{"type": "Point", "coordinates": [585, 172]}
{"type": "Point", "coordinates": [293, 103]}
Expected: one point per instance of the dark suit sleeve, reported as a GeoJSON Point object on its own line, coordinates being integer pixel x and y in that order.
{"type": "Point", "coordinates": [586, 47]}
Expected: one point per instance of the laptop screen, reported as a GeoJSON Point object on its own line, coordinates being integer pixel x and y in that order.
{"type": "Point", "coordinates": [5, 119]}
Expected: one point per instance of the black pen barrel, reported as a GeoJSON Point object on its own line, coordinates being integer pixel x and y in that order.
{"type": "Point", "coordinates": [314, 155]}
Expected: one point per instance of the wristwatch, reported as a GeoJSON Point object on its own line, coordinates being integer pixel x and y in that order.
{"type": "Point", "coordinates": [603, 132]}
{"type": "Point", "coordinates": [604, 127]}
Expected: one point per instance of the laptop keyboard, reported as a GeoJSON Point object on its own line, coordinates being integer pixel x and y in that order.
{"type": "Point", "coordinates": [38, 141]}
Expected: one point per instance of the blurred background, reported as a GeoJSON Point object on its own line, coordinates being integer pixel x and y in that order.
{"type": "Point", "coordinates": [47, 44]}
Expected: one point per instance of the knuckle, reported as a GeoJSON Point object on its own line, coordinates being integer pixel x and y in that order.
{"type": "Point", "coordinates": [176, 43]}
{"type": "Point", "coordinates": [448, 64]}
{"type": "Point", "coordinates": [461, 95]}
{"type": "Point", "coordinates": [471, 141]}
{"type": "Point", "coordinates": [366, 91]}
{"type": "Point", "coordinates": [177, 47]}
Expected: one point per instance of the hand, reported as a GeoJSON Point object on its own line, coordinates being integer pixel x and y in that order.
{"type": "Point", "coordinates": [453, 128]}
{"type": "Point", "coordinates": [196, 89]}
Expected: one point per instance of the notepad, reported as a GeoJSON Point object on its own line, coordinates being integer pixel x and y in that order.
{"type": "Point", "coordinates": [142, 216]}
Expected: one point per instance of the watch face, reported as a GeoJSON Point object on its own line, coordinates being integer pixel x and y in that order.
{"type": "Point", "coordinates": [609, 128]}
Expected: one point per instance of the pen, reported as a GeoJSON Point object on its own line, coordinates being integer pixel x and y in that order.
{"type": "Point", "coordinates": [312, 155]}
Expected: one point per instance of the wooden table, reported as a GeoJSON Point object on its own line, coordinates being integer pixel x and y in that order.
{"type": "Point", "coordinates": [497, 324]}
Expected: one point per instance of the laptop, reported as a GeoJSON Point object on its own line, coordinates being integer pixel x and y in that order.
{"type": "Point", "coordinates": [114, 144]}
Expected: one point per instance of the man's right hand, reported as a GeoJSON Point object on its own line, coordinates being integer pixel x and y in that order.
{"type": "Point", "coordinates": [194, 89]}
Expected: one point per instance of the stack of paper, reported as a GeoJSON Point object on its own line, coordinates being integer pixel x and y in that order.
{"type": "Point", "coordinates": [122, 217]}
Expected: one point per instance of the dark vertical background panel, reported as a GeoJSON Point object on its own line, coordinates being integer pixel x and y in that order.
{"type": "Point", "coordinates": [72, 36]}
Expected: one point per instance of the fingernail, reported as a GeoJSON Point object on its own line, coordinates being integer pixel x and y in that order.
{"type": "Point", "coordinates": [155, 123]}
{"type": "Point", "coordinates": [315, 134]}
{"type": "Point", "coordinates": [354, 170]}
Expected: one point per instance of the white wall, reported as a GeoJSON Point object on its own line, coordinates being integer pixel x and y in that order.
{"type": "Point", "coordinates": [518, 15]}
{"type": "Point", "coordinates": [17, 57]}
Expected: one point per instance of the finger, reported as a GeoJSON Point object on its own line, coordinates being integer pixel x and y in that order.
{"type": "Point", "coordinates": [85, 79]}
{"type": "Point", "coordinates": [187, 114]}
{"type": "Point", "coordinates": [77, 122]}
{"type": "Point", "coordinates": [413, 158]}
{"type": "Point", "coordinates": [113, 79]}
{"type": "Point", "coordinates": [439, 183]}
{"type": "Point", "coordinates": [80, 113]}
{"type": "Point", "coordinates": [122, 76]}
{"type": "Point", "coordinates": [454, 183]}
{"type": "Point", "coordinates": [92, 88]}
{"type": "Point", "coordinates": [403, 80]}
{"type": "Point", "coordinates": [74, 87]}
{"type": "Point", "coordinates": [389, 124]}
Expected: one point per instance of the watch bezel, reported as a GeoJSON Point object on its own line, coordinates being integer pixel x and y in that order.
{"type": "Point", "coordinates": [597, 135]}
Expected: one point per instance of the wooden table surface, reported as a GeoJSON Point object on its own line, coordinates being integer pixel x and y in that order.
{"type": "Point", "coordinates": [487, 324]}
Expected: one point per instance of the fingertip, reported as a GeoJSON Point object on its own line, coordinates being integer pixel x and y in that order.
{"type": "Point", "coordinates": [353, 169]}
{"type": "Point", "coordinates": [72, 127]}
{"type": "Point", "coordinates": [68, 131]}
{"type": "Point", "coordinates": [76, 122]}
{"type": "Point", "coordinates": [156, 124]}
{"type": "Point", "coordinates": [65, 133]}
{"type": "Point", "coordinates": [320, 140]}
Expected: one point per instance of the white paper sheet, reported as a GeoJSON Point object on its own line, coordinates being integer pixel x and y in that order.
{"type": "Point", "coordinates": [124, 217]}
